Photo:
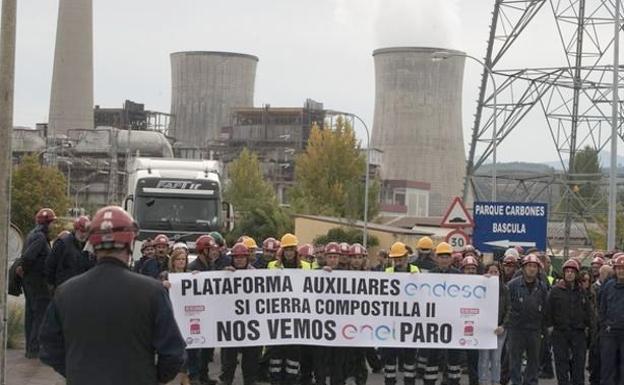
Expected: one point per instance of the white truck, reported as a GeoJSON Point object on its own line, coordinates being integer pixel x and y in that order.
{"type": "Point", "coordinates": [176, 197]}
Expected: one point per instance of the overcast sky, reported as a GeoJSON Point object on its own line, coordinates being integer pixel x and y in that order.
{"type": "Point", "coordinates": [319, 49]}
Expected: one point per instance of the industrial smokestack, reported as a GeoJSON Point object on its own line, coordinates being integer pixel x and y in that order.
{"type": "Point", "coordinates": [418, 120]}
{"type": "Point", "coordinates": [71, 101]}
{"type": "Point", "coordinates": [206, 86]}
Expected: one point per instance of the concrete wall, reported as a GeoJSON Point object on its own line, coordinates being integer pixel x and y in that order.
{"type": "Point", "coordinates": [205, 86]}
{"type": "Point", "coordinates": [71, 100]}
{"type": "Point", "coordinates": [418, 120]}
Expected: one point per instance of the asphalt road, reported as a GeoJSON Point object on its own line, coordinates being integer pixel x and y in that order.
{"type": "Point", "coordinates": [32, 372]}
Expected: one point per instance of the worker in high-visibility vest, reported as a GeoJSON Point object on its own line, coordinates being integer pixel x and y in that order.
{"type": "Point", "coordinates": [393, 356]}
{"type": "Point", "coordinates": [284, 364]}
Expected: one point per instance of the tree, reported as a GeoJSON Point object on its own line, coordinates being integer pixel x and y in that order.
{"type": "Point", "coordinates": [247, 188]}
{"type": "Point", "coordinates": [254, 200]}
{"type": "Point", "coordinates": [34, 186]}
{"type": "Point", "coordinates": [588, 173]}
{"type": "Point", "coordinates": [329, 175]}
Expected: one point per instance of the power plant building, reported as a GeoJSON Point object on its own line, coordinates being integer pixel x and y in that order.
{"type": "Point", "coordinates": [205, 88]}
{"type": "Point", "coordinates": [418, 120]}
{"type": "Point", "coordinates": [71, 98]}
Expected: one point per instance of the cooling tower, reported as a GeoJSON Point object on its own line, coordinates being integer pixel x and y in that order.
{"type": "Point", "coordinates": [418, 120]}
{"type": "Point", "coordinates": [71, 100]}
{"type": "Point", "coordinates": [206, 86]}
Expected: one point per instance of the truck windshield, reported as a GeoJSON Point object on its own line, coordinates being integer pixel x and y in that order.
{"type": "Point", "coordinates": [176, 213]}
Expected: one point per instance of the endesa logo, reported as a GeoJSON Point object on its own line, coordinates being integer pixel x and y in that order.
{"type": "Point", "coordinates": [446, 290]}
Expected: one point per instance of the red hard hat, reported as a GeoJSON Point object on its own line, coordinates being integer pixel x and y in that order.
{"type": "Point", "coordinates": [81, 223]}
{"type": "Point", "coordinates": [357, 249]}
{"type": "Point", "coordinates": [161, 239]}
{"type": "Point", "coordinates": [344, 248]}
{"type": "Point", "coordinates": [469, 261]}
{"type": "Point", "coordinates": [239, 249]}
{"type": "Point", "coordinates": [520, 250]}
{"type": "Point", "coordinates": [205, 242]}
{"type": "Point", "coordinates": [531, 258]}
{"type": "Point", "coordinates": [271, 244]}
{"type": "Point", "coordinates": [598, 261]}
{"type": "Point", "coordinates": [332, 248]}
{"type": "Point", "coordinates": [571, 264]}
{"type": "Point", "coordinates": [44, 216]}
{"type": "Point", "coordinates": [306, 250]}
{"type": "Point", "coordinates": [112, 228]}
{"type": "Point", "coordinates": [618, 260]}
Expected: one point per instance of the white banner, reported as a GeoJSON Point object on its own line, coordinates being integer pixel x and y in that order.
{"type": "Point", "coordinates": [341, 308]}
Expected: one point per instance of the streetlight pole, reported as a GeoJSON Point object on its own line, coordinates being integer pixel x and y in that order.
{"type": "Point", "coordinates": [446, 55]}
{"type": "Point", "coordinates": [367, 177]}
{"type": "Point", "coordinates": [76, 196]}
{"type": "Point", "coordinates": [7, 84]}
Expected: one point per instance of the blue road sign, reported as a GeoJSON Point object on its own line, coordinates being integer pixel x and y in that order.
{"type": "Point", "coordinates": [502, 225]}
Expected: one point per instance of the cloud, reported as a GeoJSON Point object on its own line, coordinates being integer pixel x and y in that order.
{"type": "Point", "coordinates": [418, 23]}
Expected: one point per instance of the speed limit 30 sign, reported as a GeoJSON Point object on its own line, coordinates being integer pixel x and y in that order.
{"type": "Point", "coordinates": [457, 239]}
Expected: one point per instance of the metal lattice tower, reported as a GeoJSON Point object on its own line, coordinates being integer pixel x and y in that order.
{"type": "Point", "coordinates": [575, 98]}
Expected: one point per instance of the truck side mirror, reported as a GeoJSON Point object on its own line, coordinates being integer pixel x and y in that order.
{"type": "Point", "coordinates": [228, 214]}
{"type": "Point", "coordinates": [129, 198]}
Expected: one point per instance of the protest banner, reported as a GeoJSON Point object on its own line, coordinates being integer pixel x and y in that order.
{"type": "Point", "coordinates": [339, 308]}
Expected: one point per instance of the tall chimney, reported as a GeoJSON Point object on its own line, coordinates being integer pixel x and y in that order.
{"type": "Point", "coordinates": [71, 100]}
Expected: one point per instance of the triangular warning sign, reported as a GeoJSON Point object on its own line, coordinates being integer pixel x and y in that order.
{"type": "Point", "coordinates": [457, 215]}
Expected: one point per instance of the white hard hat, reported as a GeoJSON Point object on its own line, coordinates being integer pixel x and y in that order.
{"type": "Point", "coordinates": [510, 252]}
{"type": "Point", "coordinates": [180, 245]}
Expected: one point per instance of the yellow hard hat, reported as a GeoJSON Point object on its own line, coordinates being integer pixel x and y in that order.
{"type": "Point", "coordinates": [250, 243]}
{"type": "Point", "coordinates": [289, 240]}
{"type": "Point", "coordinates": [444, 248]}
{"type": "Point", "coordinates": [398, 250]}
{"type": "Point", "coordinates": [424, 243]}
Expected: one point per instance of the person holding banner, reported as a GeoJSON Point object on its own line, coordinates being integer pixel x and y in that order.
{"type": "Point", "coordinates": [526, 323]}
{"type": "Point", "coordinates": [490, 360]}
{"type": "Point", "coordinates": [435, 357]}
{"type": "Point", "coordinates": [331, 361]}
{"type": "Point", "coordinates": [251, 354]}
{"type": "Point", "coordinates": [284, 363]}
{"type": "Point", "coordinates": [393, 356]}
{"type": "Point", "coordinates": [209, 258]}
{"type": "Point", "coordinates": [470, 265]}
{"type": "Point", "coordinates": [269, 249]}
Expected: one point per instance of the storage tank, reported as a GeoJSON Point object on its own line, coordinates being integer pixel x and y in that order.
{"type": "Point", "coordinates": [205, 87]}
{"type": "Point", "coordinates": [71, 99]}
{"type": "Point", "coordinates": [418, 119]}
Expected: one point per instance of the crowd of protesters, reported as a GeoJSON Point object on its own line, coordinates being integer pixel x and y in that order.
{"type": "Point", "coordinates": [549, 324]}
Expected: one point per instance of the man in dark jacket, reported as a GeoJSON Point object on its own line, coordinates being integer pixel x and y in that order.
{"type": "Point", "coordinates": [526, 323]}
{"type": "Point", "coordinates": [68, 258]}
{"type": "Point", "coordinates": [148, 264]}
{"type": "Point", "coordinates": [110, 325]}
{"type": "Point", "coordinates": [32, 269]}
{"type": "Point", "coordinates": [611, 316]}
{"type": "Point", "coordinates": [569, 318]}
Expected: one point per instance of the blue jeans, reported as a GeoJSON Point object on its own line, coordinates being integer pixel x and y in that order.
{"type": "Point", "coordinates": [490, 363]}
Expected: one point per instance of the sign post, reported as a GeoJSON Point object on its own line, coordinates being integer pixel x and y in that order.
{"type": "Point", "coordinates": [504, 225]}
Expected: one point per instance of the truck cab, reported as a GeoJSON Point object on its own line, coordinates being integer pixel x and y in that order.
{"type": "Point", "coordinates": [176, 197]}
